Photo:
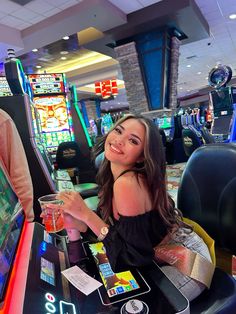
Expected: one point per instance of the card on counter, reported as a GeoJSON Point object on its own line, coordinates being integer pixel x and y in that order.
{"type": "Point", "coordinates": [82, 281]}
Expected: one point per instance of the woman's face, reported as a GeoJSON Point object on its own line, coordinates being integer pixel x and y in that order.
{"type": "Point", "coordinates": [125, 144]}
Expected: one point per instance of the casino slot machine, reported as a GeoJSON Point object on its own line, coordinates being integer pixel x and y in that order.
{"type": "Point", "coordinates": [51, 101]}
{"type": "Point", "coordinates": [222, 99]}
{"type": "Point", "coordinates": [31, 261]}
{"type": "Point", "coordinates": [21, 109]}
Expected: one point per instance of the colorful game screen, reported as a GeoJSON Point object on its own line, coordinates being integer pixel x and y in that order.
{"type": "Point", "coordinates": [53, 113]}
{"type": "Point", "coordinates": [47, 271]}
{"type": "Point", "coordinates": [51, 83]}
{"type": "Point", "coordinates": [9, 206]}
{"type": "Point", "coordinates": [4, 87]}
{"type": "Point", "coordinates": [11, 222]}
{"type": "Point", "coordinates": [115, 283]}
{"type": "Point", "coordinates": [164, 123]}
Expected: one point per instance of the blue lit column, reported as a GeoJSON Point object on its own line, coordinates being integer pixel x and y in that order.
{"type": "Point", "coordinates": [98, 107]}
{"type": "Point", "coordinates": [153, 51]}
{"type": "Point", "coordinates": [84, 112]}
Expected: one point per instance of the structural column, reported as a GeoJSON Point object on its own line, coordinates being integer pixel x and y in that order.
{"type": "Point", "coordinates": [174, 66]}
{"type": "Point", "coordinates": [149, 64]}
{"type": "Point", "coordinates": [129, 63]}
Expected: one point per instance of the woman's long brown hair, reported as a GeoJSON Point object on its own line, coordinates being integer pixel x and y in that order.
{"type": "Point", "coordinates": [153, 168]}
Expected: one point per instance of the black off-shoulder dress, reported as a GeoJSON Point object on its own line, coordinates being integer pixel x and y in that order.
{"type": "Point", "coordinates": [131, 239]}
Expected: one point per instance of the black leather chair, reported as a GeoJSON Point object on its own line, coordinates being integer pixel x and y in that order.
{"type": "Point", "coordinates": [207, 136]}
{"type": "Point", "coordinates": [191, 141]}
{"type": "Point", "coordinates": [68, 157]}
{"type": "Point", "coordinates": [207, 195]}
{"type": "Point", "coordinates": [163, 137]}
{"type": "Point", "coordinates": [92, 201]}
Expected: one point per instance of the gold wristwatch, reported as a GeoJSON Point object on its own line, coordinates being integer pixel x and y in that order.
{"type": "Point", "coordinates": [103, 233]}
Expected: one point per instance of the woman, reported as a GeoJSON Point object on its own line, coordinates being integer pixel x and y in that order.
{"type": "Point", "coordinates": [135, 213]}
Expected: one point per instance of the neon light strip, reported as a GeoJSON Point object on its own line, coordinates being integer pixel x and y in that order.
{"type": "Point", "coordinates": [14, 299]}
{"type": "Point", "coordinates": [70, 122]}
{"type": "Point", "coordinates": [21, 76]}
{"type": "Point", "coordinates": [66, 303]}
{"type": "Point", "coordinates": [81, 118]}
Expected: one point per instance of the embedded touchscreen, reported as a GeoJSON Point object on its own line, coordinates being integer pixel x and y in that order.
{"type": "Point", "coordinates": [47, 271]}
{"type": "Point", "coordinates": [115, 283]}
{"type": "Point", "coordinates": [118, 286]}
{"type": "Point", "coordinates": [11, 225]}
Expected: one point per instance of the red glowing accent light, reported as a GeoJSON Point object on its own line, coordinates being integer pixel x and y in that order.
{"type": "Point", "coordinates": [106, 88]}
{"type": "Point", "coordinates": [50, 297]}
{"type": "Point", "coordinates": [7, 300]}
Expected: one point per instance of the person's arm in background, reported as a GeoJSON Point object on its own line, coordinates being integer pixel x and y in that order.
{"type": "Point", "coordinates": [14, 159]}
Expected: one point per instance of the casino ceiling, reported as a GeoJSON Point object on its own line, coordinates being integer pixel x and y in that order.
{"type": "Point", "coordinates": [93, 27]}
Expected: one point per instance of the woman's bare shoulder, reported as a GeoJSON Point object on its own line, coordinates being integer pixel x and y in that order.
{"type": "Point", "coordinates": [129, 195]}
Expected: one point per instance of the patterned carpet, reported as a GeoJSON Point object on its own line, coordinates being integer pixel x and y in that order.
{"type": "Point", "coordinates": [174, 173]}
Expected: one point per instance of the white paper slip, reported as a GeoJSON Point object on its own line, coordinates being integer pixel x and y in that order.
{"type": "Point", "coordinates": [82, 281]}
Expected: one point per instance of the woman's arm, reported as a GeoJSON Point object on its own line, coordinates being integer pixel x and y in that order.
{"type": "Point", "coordinates": [75, 206]}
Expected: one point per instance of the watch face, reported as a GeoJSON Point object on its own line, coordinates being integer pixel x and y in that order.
{"type": "Point", "coordinates": [104, 231]}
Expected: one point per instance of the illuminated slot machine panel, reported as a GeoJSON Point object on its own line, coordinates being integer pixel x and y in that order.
{"type": "Point", "coordinates": [4, 87]}
{"type": "Point", "coordinates": [54, 119]}
{"type": "Point", "coordinates": [222, 102]}
{"type": "Point", "coordinates": [53, 107]}
{"type": "Point", "coordinates": [31, 262]}
{"type": "Point", "coordinates": [166, 124]}
{"type": "Point", "coordinates": [42, 84]}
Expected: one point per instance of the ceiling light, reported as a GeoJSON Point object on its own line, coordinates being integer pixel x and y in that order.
{"type": "Point", "coordinates": [181, 88]}
{"type": "Point", "coordinates": [232, 16]}
{"type": "Point", "coordinates": [63, 52]}
{"type": "Point", "coordinates": [206, 78]}
{"type": "Point", "coordinates": [63, 58]}
{"type": "Point", "coordinates": [35, 50]}
{"type": "Point", "coordinates": [65, 37]}
{"type": "Point", "coordinates": [189, 66]}
{"type": "Point", "coordinates": [199, 72]}
{"type": "Point", "coordinates": [38, 66]}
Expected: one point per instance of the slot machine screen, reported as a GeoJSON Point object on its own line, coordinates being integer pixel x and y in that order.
{"type": "Point", "coordinates": [4, 87]}
{"type": "Point", "coordinates": [53, 113]}
{"type": "Point", "coordinates": [125, 280]}
{"type": "Point", "coordinates": [221, 125]}
{"type": "Point", "coordinates": [116, 286]}
{"type": "Point", "coordinates": [47, 271]}
{"type": "Point", "coordinates": [164, 123]}
{"type": "Point", "coordinates": [11, 223]}
{"type": "Point", "coordinates": [54, 119]}
{"type": "Point", "coordinates": [222, 102]}
{"type": "Point", "coordinates": [50, 83]}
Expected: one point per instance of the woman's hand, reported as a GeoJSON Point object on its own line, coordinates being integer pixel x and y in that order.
{"type": "Point", "coordinates": [74, 205]}
{"type": "Point", "coordinates": [72, 223]}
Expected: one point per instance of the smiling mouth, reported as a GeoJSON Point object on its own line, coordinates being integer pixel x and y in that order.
{"type": "Point", "coordinates": [115, 149]}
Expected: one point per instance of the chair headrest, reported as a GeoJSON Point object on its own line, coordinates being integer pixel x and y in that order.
{"type": "Point", "coordinates": [207, 136]}
{"type": "Point", "coordinates": [67, 155]}
{"type": "Point", "coordinates": [207, 192]}
{"type": "Point", "coordinates": [99, 159]}
{"type": "Point", "coordinates": [190, 141]}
